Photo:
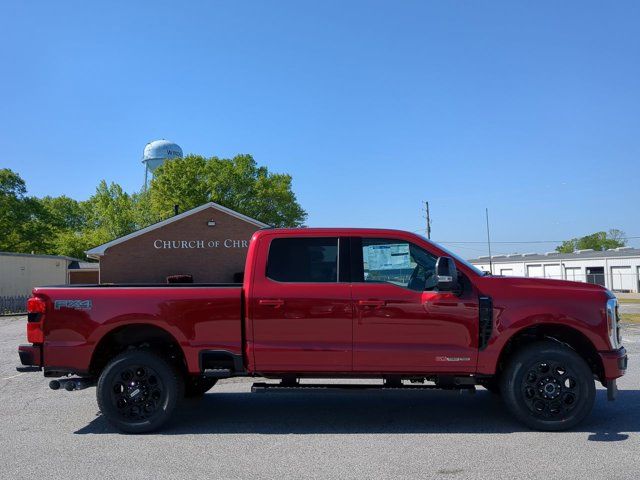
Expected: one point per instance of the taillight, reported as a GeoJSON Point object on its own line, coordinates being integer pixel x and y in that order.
{"type": "Point", "coordinates": [36, 308]}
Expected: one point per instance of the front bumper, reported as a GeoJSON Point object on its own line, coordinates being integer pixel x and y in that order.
{"type": "Point", "coordinates": [30, 358]}
{"type": "Point", "coordinates": [614, 363]}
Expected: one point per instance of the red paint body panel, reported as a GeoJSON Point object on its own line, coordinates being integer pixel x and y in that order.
{"type": "Point", "coordinates": [345, 329]}
{"type": "Point", "coordinates": [197, 317]}
{"type": "Point", "coordinates": [414, 332]}
{"type": "Point", "coordinates": [520, 303]}
{"type": "Point", "coordinates": [310, 332]}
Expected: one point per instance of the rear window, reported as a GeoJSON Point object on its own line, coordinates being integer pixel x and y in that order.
{"type": "Point", "coordinates": [303, 260]}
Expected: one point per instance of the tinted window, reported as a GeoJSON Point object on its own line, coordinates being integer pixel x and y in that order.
{"type": "Point", "coordinates": [303, 260]}
{"type": "Point", "coordinates": [398, 262]}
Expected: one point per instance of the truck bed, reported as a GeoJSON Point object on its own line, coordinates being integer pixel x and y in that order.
{"type": "Point", "coordinates": [199, 317]}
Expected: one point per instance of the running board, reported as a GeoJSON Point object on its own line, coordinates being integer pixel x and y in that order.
{"type": "Point", "coordinates": [312, 387]}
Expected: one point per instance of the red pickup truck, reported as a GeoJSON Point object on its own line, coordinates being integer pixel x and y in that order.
{"type": "Point", "coordinates": [384, 305]}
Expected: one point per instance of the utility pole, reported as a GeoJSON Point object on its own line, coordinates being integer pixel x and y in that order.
{"type": "Point", "coordinates": [489, 242]}
{"type": "Point", "coordinates": [428, 220]}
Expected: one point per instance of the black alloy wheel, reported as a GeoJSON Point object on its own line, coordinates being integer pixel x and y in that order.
{"type": "Point", "coordinates": [548, 386]}
{"type": "Point", "coordinates": [138, 390]}
{"type": "Point", "coordinates": [550, 389]}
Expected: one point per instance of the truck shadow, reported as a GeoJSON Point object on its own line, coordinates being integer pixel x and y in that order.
{"type": "Point", "coordinates": [376, 412]}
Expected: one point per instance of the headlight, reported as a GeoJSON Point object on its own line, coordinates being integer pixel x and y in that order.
{"type": "Point", "coordinates": [613, 324]}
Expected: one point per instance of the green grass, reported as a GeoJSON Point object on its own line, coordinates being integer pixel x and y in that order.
{"type": "Point", "coordinates": [630, 318]}
{"type": "Point", "coordinates": [629, 300]}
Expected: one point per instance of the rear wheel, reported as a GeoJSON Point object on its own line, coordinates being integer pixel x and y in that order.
{"type": "Point", "coordinates": [138, 390]}
{"type": "Point", "coordinates": [195, 387]}
{"type": "Point", "coordinates": [548, 386]}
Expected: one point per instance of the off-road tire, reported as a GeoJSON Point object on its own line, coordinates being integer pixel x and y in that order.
{"type": "Point", "coordinates": [548, 386]}
{"type": "Point", "coordinates": [138, 390]}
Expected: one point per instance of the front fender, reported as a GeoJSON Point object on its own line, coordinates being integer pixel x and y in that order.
{"type": "Point", "coordinates": [505, 330]}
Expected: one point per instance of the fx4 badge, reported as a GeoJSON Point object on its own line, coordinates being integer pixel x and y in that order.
{"type": "Point", "coordinates": [75, 304]}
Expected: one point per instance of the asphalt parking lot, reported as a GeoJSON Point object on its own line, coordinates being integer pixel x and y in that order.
{"type": "Point", "coordinates": [233, 434]}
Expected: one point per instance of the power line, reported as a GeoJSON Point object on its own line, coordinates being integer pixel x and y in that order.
{"type": "Point", "coordinates": [528, 241]}
{"type": "Point", "coordinates": [484, 242]}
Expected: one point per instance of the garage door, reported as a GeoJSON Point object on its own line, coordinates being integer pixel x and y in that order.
{"type": "Point", "coordinates": [574, 274]}
{"type": "Point", "coordinates": [552, 271]}
{"type": "Point", "coordinates": [535, 271]}
{"type": "Point", "coordinates": [507, 272]}
{"type": "Point", "coordinates": [622, 279]}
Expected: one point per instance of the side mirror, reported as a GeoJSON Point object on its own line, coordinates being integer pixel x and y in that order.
{"type": "Point", "coordinates": [447, 275]}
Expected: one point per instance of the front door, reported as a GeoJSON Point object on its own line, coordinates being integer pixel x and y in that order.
{"type": "Point", "coordinates": [401, 324]}
{"type": "Point", "coordinates": [302, 313]}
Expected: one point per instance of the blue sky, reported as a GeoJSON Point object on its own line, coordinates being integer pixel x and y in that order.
{"type": "Point", "coordinates": [531, 109]}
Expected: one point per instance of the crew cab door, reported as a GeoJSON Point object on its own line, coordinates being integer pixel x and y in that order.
{"type": "Point", "coordinates": [401, 324]}
{"type": "Point", "coordinates": [301, 313]}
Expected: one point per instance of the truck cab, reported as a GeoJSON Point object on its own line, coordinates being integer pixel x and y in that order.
{"type": "Point", "coordinates": [337, 302]}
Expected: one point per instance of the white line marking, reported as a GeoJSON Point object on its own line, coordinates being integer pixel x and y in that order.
{"type": "Point", "coordinates": [9, 378]}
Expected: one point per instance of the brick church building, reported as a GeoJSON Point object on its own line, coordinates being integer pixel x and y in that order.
{"type": "Point", "coordinates": [207, 244]}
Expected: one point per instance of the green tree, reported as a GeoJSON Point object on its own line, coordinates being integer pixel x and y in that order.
{"type": "Point", "coordinates": [23, 221]}
{"type": "Point", "coordinates": [108, 214]}
{"type": "Point", "coordinates": [143, 214]}
{"type": "Point", "coordinates": [64, 226]}
{"type": "Point", "coordinates": [237, 183]}
{"type": "Point", "coordinates": [12, 212]}
{"type": "Point", "coordinates": [111, 212]}
{"type": "Point", "coordinates": [75, 243]}
{"type": "Point", "coordinates": [597, 241]}
{"type": "Point", "coordinates": [66, 218]}
{"type": "Point", "coordinates": [64, 213]}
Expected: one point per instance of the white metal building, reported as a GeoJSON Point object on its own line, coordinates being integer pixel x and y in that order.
{"type": "Point", "coordinates": [20, 272]}
{"type": "Point", "coordinates": [617, 269]}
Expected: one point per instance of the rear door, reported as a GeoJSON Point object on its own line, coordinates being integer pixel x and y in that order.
{"type": "Point", "coordinates": [301, 310]}
{"type": "Point", "coordinates": [401, 324]}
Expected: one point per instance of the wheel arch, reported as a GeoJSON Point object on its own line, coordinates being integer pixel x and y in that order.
{"type": "Point", "coordinates": [136, 335]}
{"type": "Point", "coordinates": [564, 334]}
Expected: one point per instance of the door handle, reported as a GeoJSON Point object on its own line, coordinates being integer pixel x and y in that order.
{"type": "Point", "coordinates": [371, 303]}
{"type": "Point", "coordinates": [271, 302]}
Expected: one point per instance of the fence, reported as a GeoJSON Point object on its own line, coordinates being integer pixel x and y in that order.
{"type": "Point", "coordinates": [17, 304]}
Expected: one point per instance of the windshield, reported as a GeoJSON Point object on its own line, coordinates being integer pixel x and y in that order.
{"type": "Point", "coordinates": [457, 258]}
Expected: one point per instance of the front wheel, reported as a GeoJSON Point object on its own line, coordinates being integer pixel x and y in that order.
{"type": "Point", "coordinates": [548, 386]}
{"type": "Point", "coordinates": [138, 390]}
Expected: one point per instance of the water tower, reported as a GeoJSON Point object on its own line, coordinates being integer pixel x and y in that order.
{"type": "Point", "coordinates": [156, 153]}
